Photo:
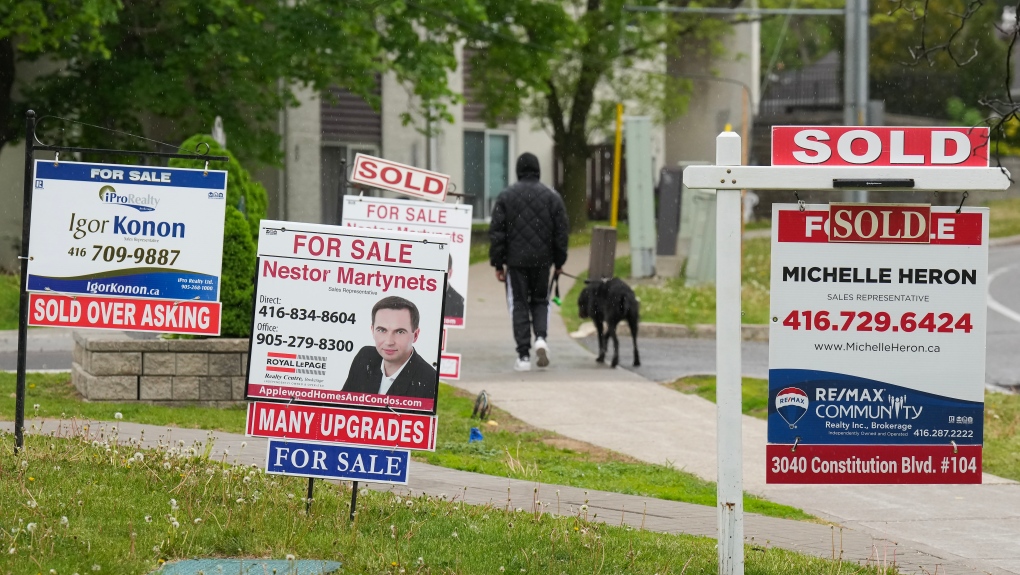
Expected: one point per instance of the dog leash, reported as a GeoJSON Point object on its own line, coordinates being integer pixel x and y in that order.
{"type": "Point", "coordinates": [554, 287]}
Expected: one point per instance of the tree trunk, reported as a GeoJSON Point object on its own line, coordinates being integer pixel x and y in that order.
{"type": "Point", "coordinates": [575, 182]}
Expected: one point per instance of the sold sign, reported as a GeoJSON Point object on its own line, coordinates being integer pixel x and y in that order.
{"type": "Point", "coordinates": [879, 223]}
{"type": "Point", "coordinates": [400, 178]}
{"type": "Point", "coordinates": [879, 146]}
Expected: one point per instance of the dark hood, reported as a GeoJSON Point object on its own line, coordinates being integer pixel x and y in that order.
{"type": "Point", "coordinates": [527, 167]}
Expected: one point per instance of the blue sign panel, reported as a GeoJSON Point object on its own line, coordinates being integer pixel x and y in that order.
{"type": "Point", "coordinates": [336, 461]}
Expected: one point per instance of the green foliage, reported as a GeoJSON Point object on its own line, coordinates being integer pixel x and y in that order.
{"type": "Point", "coordinates": [174, 65]}
{"type": "Point", "coordinates": [792, 42]}
{"type": "Point", "coordinates": [917, 84]}
{"type": "Point", "coordinates": [76, 504]}
{"type": "Point", "coordinates": [1002, 435]}
{"type": "Point", "coordinates": [10, 294]}
{"type": "Point", "coordinates": [246, 207]}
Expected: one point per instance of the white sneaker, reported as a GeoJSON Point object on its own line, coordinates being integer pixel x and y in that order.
{"type": "Point", "coordinates": [523, 364]}
{"type": "Point", "coordinates": [542, 351]}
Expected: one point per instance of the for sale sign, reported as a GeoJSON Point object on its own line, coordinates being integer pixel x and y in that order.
{"type": "Point", "coordinates": [347, 317]}
{"type": "Point", "coordinates": [877, 344]}
{"type": "Point", "coordinates": [879, 146]}
{"type": "Point", "coordinates": [337, 462]}
{"type": "Point", "coordinates": [125, 234]}
{"type": "Point", "coordinates": [452, 221]}
{"type": "Point", "coordinates": [400, 178]}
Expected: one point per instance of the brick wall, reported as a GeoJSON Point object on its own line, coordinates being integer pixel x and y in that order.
{"type": "Point", "coordinates": [114, 367]}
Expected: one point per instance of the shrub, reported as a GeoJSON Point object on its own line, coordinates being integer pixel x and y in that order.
{"type": "Point", "coordinates": [246, 206]}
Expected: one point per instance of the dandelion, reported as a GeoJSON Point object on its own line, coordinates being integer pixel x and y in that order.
{"type": "Point", "coordinates": [197, 520]}
{"type": "Point", "coordinates": [53, 572]}
{"type": "Point", "coordinates": [96, 567]}
{"type": "Point", "coordinates": [166, 465]}
{"type": "Point", "coordinates": [421, 561]}
{"type": "Point", "coordinates": [31, 478]}
{"type": "Point", "coordinates": [410, 503]}
{"type": "Point", "coordinates": [64, 522]}
{"type": "Point", "coordinates": [454, 535]}
{"type": "Point", "coordinates": [113, 428]}
{"type": "Point", "coordinates": [210, 471]}
{"type": "Point", "coordinates": [24, 463]}
{"type": "Point", "coordinates": [290, 496]}
{"type": "Point", "coordinates": [584, 508]}
{"type": "Point", "coordinates": [502, 569]}
{"type": "Point", "coordinates": [118, 415]}
{"type": "Point", "coordinates": [12, 551]}
{"type": "Point", "coordinates": [247, 479]}
{"type": "Point", "coordinates": [36, 408]}
{"type": "Point", "coordinates": [30, 527]}
{"type": "Point", "coordinates": [173, 505]}
{"type": "Point", "coordinates": [138, 457]}
{"type": "Point", "coordinates": [290, 557]}
{"type": "Point", "coordinates": [32, 504]}
{"type": "Point", "coordinates": [155, 548]}
{"type": "Point", "coordinates": [148, 518]}
{"type": "Point", "coordinates": [240, 499]}
{"type": "Point", "coordinates": [244, 444]}
{"type": "Point", "coordinates": [173, 521]}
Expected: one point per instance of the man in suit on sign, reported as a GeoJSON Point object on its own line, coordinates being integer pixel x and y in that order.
{"type": "Point", "coordinates": [392, 366]}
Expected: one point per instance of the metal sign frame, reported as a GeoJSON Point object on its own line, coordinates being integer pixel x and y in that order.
{"type": "Point", "coordinates": [727, 178]}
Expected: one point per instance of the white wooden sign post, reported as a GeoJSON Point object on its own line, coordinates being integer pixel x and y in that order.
{"type": "Point", "coordinates": [825, 158]}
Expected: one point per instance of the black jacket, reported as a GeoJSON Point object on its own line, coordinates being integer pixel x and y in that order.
{"type": "Point", "coordinates": [529, 222]}
{"type": "Point", "coordinates": [417, 379]}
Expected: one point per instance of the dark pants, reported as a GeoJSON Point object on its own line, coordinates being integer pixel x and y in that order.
{"type": "Point", "coordinates": [528, 299]}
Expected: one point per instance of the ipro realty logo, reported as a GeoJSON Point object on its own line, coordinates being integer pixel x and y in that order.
{"type": "Point", "coordinates": [108, 195]}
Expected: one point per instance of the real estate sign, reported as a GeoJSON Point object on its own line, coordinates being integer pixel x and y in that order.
{"type": "Point", "coordinates": [346, 316]}
{"type": "Point", "coordinates": [877, 344]}
{"type": "Point", "coordinates": [452, 221]}
{"type": "Point", "coordinates": [134, 248]}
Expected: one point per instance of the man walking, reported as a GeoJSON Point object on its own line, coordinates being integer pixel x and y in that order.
{"type": "Point", "coordinates": [527, 235]}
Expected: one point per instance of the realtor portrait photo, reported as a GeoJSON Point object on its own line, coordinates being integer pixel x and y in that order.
{"type": "Point", "coordinates": [454, 304]}
{"type": "Point", "coordinates": [392, 366]}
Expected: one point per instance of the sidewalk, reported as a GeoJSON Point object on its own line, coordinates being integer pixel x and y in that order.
{"type": "Point", "coordinates": [612, 508]}
{"type": "Point", "coordinates": [970, 528]}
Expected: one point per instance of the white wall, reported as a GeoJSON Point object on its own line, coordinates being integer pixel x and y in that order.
{"type": "Point", "coordinates": [303, 139]}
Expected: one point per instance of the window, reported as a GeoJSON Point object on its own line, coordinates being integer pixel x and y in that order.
{"type": "Point", "coordinates": [330, 175]}
{"type": "Point", "coordinates": [486, 168]}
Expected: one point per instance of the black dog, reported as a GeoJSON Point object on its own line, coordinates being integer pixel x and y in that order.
{"type": "Point", "coordinates": [610, 301]}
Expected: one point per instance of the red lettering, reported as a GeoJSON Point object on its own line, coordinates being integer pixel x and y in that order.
{"type": "Point", "coordinates": [389, 171]}
{"type": "Point", "coordinates": [333, 247]}
{"type": "Point", "coordinates": [407, 182]}
{"type": "Point", "coordinates": [405, 253]}
{"type": "Point", "coordinates": [367, 170]}
{"type": "Point", "coordinates": [432, 185]}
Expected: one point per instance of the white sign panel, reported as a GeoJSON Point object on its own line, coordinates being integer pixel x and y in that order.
{"type": "Point", "coordinates": [347, 317]}
{"type": "Point", "coordinates": [400, 178]}
{"type": "Point", "coordinates": [452, 221]}
{"type": "Point", "coordinates": [877, 344]}
{"type": "Point", "coordinates": [131, 231]}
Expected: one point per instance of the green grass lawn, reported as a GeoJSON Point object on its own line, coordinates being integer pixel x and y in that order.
{"type": "Point", "coordinates": [510, 449]}
{"type": "Point", "coordinates": [1004, 217]}
{"type": "Point", "coordinates": [75, 505]}
{"type": "Point", "coordinates": [1001, 454]}
{"type": "Point", "coordinates": [670, 301]}
{"type": "Point", "coordinates": [10, 290]}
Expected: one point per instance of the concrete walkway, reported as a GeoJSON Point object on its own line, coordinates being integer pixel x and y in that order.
{"type": "Point", "coordinates": [612, 508]}
{"type": "Point", "coordinates": [973, 528]}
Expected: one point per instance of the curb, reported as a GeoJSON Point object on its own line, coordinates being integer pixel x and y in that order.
{"type": "Point", "coordinates": [1006, 241]}
{"type": "Point", "coordinates": [748, 332]}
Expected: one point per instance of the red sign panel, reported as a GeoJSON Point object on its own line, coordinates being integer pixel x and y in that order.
{"type": "Point", "coordinates": [879, 146]}
{"type": "Point", "coordinates": [340, 425]}
{"type": "Point", "coordinates": [132, 314]}
{"type": "Point", "coordinates": [873, 464]}
{"type": "Point", "coordinates": [400, 178]}
{"type": "Point", "coordinates": [944, 227]}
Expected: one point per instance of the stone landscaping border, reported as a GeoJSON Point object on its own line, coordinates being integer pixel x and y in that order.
{"type": "Point", "coordinates": [114, 367]}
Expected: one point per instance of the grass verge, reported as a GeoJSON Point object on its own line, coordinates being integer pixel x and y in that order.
{"type": "Point", "coordinates": [79, 505]}
{"type": "Point", "coordinates": [510, 449]}
{"type": "Point", "coordinates": [1001, 454]}
{"type": "Point", "coordinates": [670, 301]}
{"type": "Point", "coordinates": [1004, 217]}
{"type": "Point", "coordinates": [10, 291]}
{"type": "Point", "coordinates": [754, 392]}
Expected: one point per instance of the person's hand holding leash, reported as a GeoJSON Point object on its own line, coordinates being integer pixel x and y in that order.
{"type": "Point", "coordinates": [501, 274]}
